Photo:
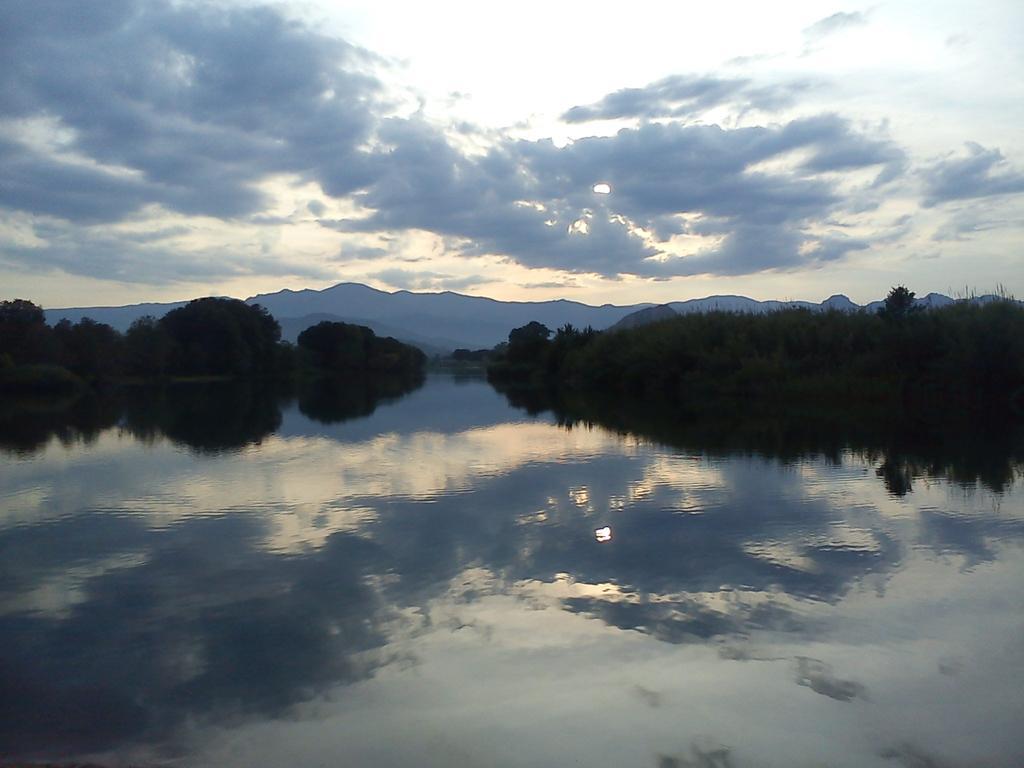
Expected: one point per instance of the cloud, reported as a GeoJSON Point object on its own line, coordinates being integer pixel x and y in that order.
{"type": "Point", "coordinates": [551, 284]}
{"type": "Point", "coordinates": [838, 148]}
{"type": "Point", "coordinates": [146, 258]}
{"type": "Point", "coordinates": [685, 95]}
{"type": "Point", "coordinates": [818, 676]}
{"type": "Point", "coordinates": [833, 24]}
{"type": "Point", "coordinates": [703, 754]}
{"type": "Point", "coordinates": [912, 756]}
{"type": "Point", "coordinates": [754, 248]}
{"type": "Point", "coordinates": [219, 100]}
{"type": "Point", "coordinates": [362, 252]}
{"type": "Point", "coordinates": [185, 106]}
{"type": "Point", "coordinates": [425, 280]}
{"type": "Point", "coordinates": [968, 221]}
{"type": "Point", "coordinates": [533, 202]}
{"type": "Point", "coordinates": [981, 173]}
{"type": "Point", "coordinates": [462, 282]}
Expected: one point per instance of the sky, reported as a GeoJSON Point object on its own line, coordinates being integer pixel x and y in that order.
{"type": "Point", "coordinates": [601, 152]}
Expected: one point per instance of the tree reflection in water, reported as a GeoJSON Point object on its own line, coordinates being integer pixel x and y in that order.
{"type": "Point", "coordinates": [206, 417]}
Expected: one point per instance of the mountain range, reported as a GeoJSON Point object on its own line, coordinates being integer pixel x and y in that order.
{"type": "Point", "coordinates": [441, 322]}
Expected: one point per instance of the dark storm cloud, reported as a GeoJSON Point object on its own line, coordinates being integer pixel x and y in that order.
{"type": "Point", "coordinates": [190, 107]}
{"type": "Point", "coordinates": [982, 173]}
{"type": "Point", "coordinates": [683, 95]}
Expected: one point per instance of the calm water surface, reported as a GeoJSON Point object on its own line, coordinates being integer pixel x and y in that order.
{"type": "Point", "coordinates": [423, 586]}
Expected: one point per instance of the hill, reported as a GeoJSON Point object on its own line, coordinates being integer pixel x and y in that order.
{"type": "Point", "coordinates": [441, 322]}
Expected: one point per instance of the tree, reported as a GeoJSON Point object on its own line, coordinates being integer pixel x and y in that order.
{"type": "Point", "coordinates": [899, 303]}
{"type": "Point", "coordinates": [347, 348]}
{"type": "Point", "coordinates": [527, 343]}
{"type": "Point", "coordinates": [337, 347]}
{"type": "Point", "coordinates": [89, 349]}
{"type": "Point", "coordinates": [21, 312]}
{"type": "Point", "coordinates": [222, 336]}
{"type": "Point", "coordinates": [24, 335]}
{"type": "Point", "coordinates": [147, 348]}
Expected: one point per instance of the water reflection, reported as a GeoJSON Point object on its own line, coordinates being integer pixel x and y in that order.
{"type": "Point", "coordinates": [208, 417]}
{"type": "Point", "coordinates": [963, 448]}
{"type": "Point", "coordinates": [332, 400]}
{"type": "Point", "coordinates": [427, 585]}
{"type": "Point", "coordinates": [26, 426]}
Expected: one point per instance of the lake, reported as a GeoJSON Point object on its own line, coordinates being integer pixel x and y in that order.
{"type": "Point", "coordinates": [219, 577]}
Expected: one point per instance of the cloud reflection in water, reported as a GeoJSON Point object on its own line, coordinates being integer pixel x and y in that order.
{"type": "Point", "coordinates": [449, 579]}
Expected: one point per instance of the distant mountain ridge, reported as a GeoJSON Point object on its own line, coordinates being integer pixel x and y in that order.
{"type": "Point", "coordinates": [837, 302]}
{"type": "Point", "coordinates": [645, 317]}
{"type": "Point", "coordinates": [441, 322]}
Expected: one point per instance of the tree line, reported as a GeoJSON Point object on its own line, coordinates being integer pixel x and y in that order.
{"type": "Point", "coordinates": [208, 337]}
{"type": "Point", "coordinates": [966, 354]}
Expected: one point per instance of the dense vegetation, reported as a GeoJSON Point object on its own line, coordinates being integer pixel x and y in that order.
{"type": "Point", "coordinates": [209, 337]}
{"type": "Point", "coordinates": [964, 355]}
{"type": "Point", "coordinates": [343, 348]}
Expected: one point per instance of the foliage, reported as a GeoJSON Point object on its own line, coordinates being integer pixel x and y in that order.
{"type": "Point", "coordinates": [471, 355]}
{"type": "Point", "coordinates": [217, 336]}
{"type": "Point", "coordinates": [147, 348]}
{"type": "Point", "coordinates": [25, 338]}
{"type": "Point", "coordinates": [527, 343]}
{"type": "Point", "coordinates": [89, 349]}
{"type": "Point", "coordinates": [966, 354]}
{"type": "Point", "coordinates": [529, 352]}
{"type": "Point", "coordinates": [211, 337]}
{"type": "Point", "coordinates": [343, 348]}
{"type": "Point", "coordinates": [898, 304]}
